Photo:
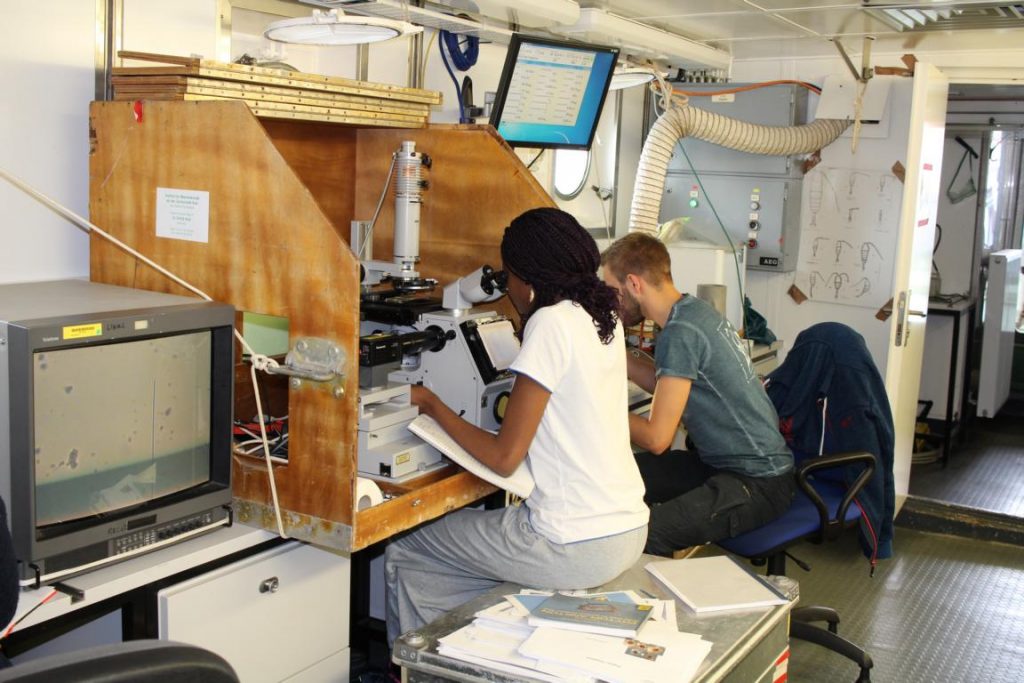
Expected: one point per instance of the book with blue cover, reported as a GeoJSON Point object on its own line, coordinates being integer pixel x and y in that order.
{"type": "Point", "coordinates": [591, 613]}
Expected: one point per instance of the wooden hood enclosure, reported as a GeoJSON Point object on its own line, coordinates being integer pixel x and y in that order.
{"type": "Point", "coordinates": [281, 197]}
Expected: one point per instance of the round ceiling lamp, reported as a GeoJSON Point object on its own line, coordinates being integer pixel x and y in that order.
{"type": "Point", "coordinates": [337, 28]}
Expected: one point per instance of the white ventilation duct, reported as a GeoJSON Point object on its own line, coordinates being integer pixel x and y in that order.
{"type": "Point", "coordinates": [682, 121]}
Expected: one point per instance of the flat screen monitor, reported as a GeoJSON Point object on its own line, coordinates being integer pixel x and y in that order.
{"type": "Point", "coordinates": [551, 92]}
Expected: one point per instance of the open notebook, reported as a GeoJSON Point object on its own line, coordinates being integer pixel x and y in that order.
{"type": "Point", "coordinates": [519, 483]}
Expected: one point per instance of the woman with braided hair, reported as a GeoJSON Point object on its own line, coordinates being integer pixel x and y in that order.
{"type": "Point", "coordinates": [585, 522]}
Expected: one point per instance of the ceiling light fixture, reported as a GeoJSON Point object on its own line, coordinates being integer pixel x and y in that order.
{"type": "Point", "coordinates": [629, 76]}
{"type": "Point", "coordinates": [644, 41]}
{"type": "Point", "coordinates": [337, 28]}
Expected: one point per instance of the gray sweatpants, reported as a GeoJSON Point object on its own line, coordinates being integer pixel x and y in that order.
{"type": "Point", "coordinates": [465, 553]}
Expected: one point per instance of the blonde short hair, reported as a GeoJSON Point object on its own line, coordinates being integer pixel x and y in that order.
{"type": "Point", "coordinates": [638, 253]}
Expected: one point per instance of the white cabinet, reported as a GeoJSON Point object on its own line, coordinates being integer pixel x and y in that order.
{"type": "Point", "coordinates": [280, 615]}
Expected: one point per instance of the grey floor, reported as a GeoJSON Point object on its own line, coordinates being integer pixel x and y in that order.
{"type": "Point", "coordinates": [944, 608]}
{"type": "Point", "coordinates": [986, 471]}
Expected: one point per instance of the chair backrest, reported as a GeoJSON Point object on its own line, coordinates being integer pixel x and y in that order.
{"type": "Point", "coordinates": [831, 398]}
{"type": "Point", "coordinates": [137, 661]}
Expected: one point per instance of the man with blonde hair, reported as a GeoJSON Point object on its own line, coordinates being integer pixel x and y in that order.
{"type": "Point", "coordinates": [737, 472]}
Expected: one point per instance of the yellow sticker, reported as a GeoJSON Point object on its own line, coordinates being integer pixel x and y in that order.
{"type": "Point", "coordinates": [82, 331]}
{"type": "Point", "coordinates": [403, 458]}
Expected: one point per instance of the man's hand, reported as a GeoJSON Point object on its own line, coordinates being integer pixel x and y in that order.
{"type": "Point", "coordinates": [655, 431]}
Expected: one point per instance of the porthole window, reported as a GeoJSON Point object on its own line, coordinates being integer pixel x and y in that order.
{"type": "Point", "coordinates": [570, 170]}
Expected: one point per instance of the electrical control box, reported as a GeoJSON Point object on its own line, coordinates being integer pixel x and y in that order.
{"type": "Point", "coordinates": [758, 213]}
{"type": "Point", "coordinates": [756, 197]}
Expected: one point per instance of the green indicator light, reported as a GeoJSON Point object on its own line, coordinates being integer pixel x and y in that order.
{"type": "Point", "coordinates": [693, 203]}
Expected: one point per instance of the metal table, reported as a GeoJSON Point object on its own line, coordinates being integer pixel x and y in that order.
{"type": "Point", "coordinates": [746, 645]}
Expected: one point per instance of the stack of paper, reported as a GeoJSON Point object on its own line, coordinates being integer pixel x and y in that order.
{"type": "Point", "coordinates": [660, 653]}
{"type": "Point", "coordinates": [501, 637]}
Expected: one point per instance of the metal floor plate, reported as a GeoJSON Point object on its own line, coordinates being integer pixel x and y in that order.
{"type": "Point", "coordinates": [944, 608]}
{"type": "Point", "coordinates": [986, 472]}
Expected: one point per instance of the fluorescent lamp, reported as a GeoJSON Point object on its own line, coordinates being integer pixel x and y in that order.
{"type": "Point", "coordinates": [630, 76]}
{"type": "Point", "coordinates": [337, 28]}
{"type": "Point", "coordinates": [641, 40]}
{"type": "Point", "coordinates": [526, 13]}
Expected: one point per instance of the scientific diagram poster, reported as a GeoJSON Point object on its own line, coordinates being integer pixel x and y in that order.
{"type": "Point", "coordinates": [850, 220]}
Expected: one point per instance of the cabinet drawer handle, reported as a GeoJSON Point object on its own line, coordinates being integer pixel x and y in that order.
{"type": "Point", "coordinates": [269, 585]}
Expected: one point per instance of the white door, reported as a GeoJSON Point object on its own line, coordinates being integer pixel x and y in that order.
{"type": "Point", "coordinates": [913, 262]}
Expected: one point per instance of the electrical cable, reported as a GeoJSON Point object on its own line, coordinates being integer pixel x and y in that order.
{"type": "Point", "coordinates": [728, 238]}
{"type": "Point", "coordinates": [744, 88]}
{"type": "Point", "coordinates": [530, 165]}
{"type": "Point", "coordinates": [455, 81]}
{"type": "Point", "coordinates": [24, 616]}
{"type": "Point", "coordinates": [256, 361]}
{"type": "Point", "coordinates": [462, 59]}
{"type": "Point", "coordinates": [368, 237]}
{"type": "Point", "coordinates": [426, 57]}
{"type": "Point", "coordinates": [601, 200]}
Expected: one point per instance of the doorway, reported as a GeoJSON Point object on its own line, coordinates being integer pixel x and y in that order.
{"type": "Point", "coordinates": [981, 213]}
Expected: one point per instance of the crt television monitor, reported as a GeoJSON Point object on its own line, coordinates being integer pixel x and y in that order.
{"type": "Point", "coordinates": [115, 421]}
{"type": "Point", "coordinates": [551, 92]}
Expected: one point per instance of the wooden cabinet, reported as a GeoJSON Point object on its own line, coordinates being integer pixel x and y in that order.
{"type": "Point", "coordinates": [282, 195]}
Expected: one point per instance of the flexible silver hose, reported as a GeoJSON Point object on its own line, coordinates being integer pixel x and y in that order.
{"type": "Point", "coordinates": [679, 122]}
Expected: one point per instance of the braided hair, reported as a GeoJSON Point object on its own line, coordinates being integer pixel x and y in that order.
{"type": "Point", "coordinates": [549, 250]}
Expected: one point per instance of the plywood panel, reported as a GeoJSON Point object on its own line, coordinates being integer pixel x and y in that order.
{"type": "Point", "coordinates": [271, 250]}
{"type": "Point", "coordinates": [282, 196]}
{"type": "Point", "coordinates": [477, 186]}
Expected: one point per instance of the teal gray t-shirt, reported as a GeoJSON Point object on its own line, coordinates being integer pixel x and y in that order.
{"type": "Point", "coordinates": [728, 416]}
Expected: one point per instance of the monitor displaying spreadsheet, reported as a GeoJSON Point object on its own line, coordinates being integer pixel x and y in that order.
{"type": "Point", "coordinates": [551, 92]}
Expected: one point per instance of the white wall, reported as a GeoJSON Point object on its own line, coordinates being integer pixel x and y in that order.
{"type": "Point", "coordinates": [768, 291]}
{"type": "Point", "coordinates": [953, 256]}
{"type": "Point", "coordinates": [47, 57]}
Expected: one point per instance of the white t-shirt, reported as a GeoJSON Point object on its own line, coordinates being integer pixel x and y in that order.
{"type": "Point", "coordinates": [587, 482]}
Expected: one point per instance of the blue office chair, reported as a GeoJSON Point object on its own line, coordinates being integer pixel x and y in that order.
{"type": "Point", "coordinates": [834, 413]}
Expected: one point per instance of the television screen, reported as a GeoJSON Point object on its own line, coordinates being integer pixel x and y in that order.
{"type": "Point", "coordinates": [551, 92]}
{"type": "Point", "coordinates": [141, 432]}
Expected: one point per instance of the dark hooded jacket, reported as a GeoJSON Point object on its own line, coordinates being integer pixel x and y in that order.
{"type": "Point", "coordinates": [830, 380]}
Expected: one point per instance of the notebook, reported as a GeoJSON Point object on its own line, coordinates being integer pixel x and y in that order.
{"type": "Point", "coordinates": [519, 482]}
{"type": "Point", "coordinates": [606, 614]}
{"type": "Point", "coordinates": [710, 584]}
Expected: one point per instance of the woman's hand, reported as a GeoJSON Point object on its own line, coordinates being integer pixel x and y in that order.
{"type": "Point", "coordinates": [423, 398]}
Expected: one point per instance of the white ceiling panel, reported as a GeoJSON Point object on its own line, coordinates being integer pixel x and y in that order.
{"type": "Point", "coordinates": [732, 26]}
{"type": "Point", "coordinates": [776, 5]}
{"type": "Point", "coordinates": [839, 22]}
{"type": "Point", "coordinates": [671, 8]}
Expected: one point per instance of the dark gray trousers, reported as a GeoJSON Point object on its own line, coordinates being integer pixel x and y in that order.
{"type": "Point", "coordinates": [692, 504]}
